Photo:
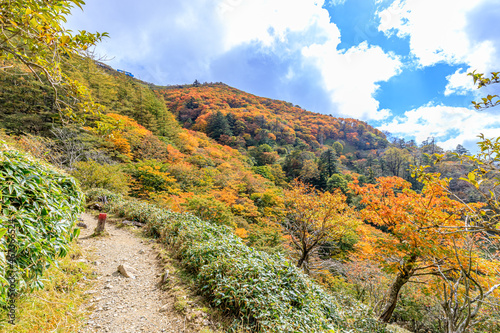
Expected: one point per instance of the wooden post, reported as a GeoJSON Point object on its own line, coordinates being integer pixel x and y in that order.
{"type": "Point", "coordinates": [101, 223]}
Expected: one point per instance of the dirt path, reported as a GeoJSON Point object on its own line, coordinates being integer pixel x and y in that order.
{"type": "Point", "coordinates": [123, 304]}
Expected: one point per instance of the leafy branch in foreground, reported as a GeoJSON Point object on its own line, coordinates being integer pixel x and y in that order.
{"type": "Point", "coordinates": [32, 33]}
{"type": "Point", "coordinates": [481, 81]}
{"type": "Point", "coordinates": [43, 205]}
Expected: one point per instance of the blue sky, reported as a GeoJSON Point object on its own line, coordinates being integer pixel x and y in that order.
{"type": "Point", "coordinates": [400, 65]}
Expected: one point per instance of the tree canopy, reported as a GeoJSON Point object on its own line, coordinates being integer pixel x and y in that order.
{"type": "Point", "coordinates": [32, 32]}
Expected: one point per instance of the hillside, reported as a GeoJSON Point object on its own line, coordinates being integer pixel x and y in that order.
{"type": "Point", "coordinates": [254, 120]}
{"type": "Point", "coordinates": [278, 219]}
{"type": "Point", "coordinates": [231, 158]}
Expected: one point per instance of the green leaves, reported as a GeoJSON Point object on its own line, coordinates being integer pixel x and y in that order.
{"type": "Point", "coordinates": [3, 231]}
{"type": "Point", "coordinates": [481, 81]}
{"type": "Point", "coordinates": [42, 204]}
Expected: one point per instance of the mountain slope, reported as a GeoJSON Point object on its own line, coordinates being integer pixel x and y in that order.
{"type": "Point", "coordinates": [256, 120]}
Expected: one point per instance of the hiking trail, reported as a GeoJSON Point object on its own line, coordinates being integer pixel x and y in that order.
{"type": "Point", "coordinates": [136, 304]}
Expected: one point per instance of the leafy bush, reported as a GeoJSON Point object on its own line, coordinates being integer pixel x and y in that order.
{"type": "Point", "coordinates": [211, 209]}
{"type": "Point", "coordinates": [151, 176]}
{"type": "Point", "coordinates": [92, 174]}
{"type": "Point", "coordinates": [43, 205]}
{"type": "Point", "coordinates": [98, 194]}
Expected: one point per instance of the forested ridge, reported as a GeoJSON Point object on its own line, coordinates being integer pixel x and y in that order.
{"type": "Point", "coordinates": [264, 120]}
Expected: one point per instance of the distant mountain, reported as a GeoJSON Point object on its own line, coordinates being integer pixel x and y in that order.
{"type": "Point", "coordinates": [252, 120]}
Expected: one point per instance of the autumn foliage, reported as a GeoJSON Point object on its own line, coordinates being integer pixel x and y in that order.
{"type": "Point", "coordinates": [422, 238]}
{"type": "Point", "coordinates": [313, 219]}
{"type": "Point", "coordinates": [251, 120]}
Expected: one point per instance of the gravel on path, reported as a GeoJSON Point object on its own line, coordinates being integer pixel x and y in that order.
{"type": "Point", "coordinates": [121, 304]}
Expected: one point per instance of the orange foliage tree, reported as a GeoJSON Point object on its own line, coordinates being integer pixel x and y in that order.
{"type": "Point", "coordinates": [312, 219]}
{"type": "Point", "coordinates": [419, 241]}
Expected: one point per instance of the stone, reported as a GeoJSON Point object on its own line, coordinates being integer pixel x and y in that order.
{"type": "Point", "coordinates": [126, 271]}
{"type": "Point", "coordinates": [81, 225]}
{"type": "Point", "coordinates": [164, 278]}
{"type": "Point", "coordinates": [95, 206]}
{"type": "Point", "coordinates": [134, 223]}
{"type": "Point", "coordinates": [164, 308]}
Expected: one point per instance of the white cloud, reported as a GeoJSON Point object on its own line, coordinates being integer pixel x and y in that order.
{"type": "Point", "coordinates": [351, 76]}
{"type": "Point", "coordinates": [267, 21]}
{"type": "Point", "coordinates": [177, 41]}
{"type": "Point", "coordinates": [438, 31]}
{"type": "Point", "coordinates": [449, 125]}
{"type": "Point", "coordinates": [336, 2]}
{"type": "Point", "coordinates": [186, 36]}
{"type": "Point", "coordinates": [459, 83]}
{"type": "Point", "coordinates": [452, 32]}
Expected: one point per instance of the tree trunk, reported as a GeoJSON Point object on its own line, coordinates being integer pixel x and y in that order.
{"type": "Point", "coordinates": [303, 261]}
{"type": "Point", "coordinates": [392, 295]}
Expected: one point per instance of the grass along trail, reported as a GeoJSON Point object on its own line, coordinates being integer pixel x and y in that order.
{"type": "Point", "coordinates": [139, 303]}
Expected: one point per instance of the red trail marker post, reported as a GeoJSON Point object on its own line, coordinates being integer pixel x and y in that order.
{"type": "Point", "coordinates": [101, 223]}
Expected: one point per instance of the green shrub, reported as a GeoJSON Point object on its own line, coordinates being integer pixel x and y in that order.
{"type": "Point", "coordinates": [211, 209]}
{"type": "Point", "coordinates": [43, 205]}
{"type": "Point", "coordinates": [101, 194]}
{"type": "Point", "coordinates": [94, 175]}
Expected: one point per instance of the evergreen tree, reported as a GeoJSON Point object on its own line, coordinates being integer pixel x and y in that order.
{"type": "Point", "coordinates": [192, 104]}
{"type": "Point", "coordinates": [327, 165]}
{"type": "Point", "coordinates": [328, 162]}
{"type": "Point", "coordinates": [231, 121]}
{"type": "Point", "coordinates": [217, 125]}
{"type": "Point", "coordinates": [461, 150]}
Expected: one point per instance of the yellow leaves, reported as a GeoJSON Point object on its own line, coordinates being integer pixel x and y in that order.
{"type": "Point", "coordinates": [188, 142]}
{"type": "Point", "coordinates": [422, 224]}
{"type": "Point", "coordinates": [481, 81]}
{"type": "Point", "coordinates": [33, 33]}
{"type": "Point", "coordinates": [64, 40]}
{"type": "Point", "coordinates": [241, 232]}
{"type": "Point", "coordinates": [155, 171]}
{"type": "Point", "coordinates": [313, 218]}
{"type": "Point", "coordinates": [122, 131]}
{"type": "Point", "coordinates": [120, 144]}
{"type": "Point", "coordinates": [226, 195]}
{"type": "Point", "coordinates": [246, 208]}
{"type": "Point", "coordinates": [174, 154]}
